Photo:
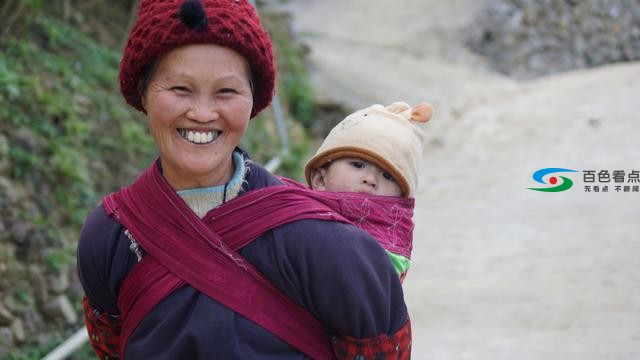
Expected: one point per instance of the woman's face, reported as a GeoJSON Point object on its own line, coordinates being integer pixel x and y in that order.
{"type": "Point", "coordinates": [198, 102]}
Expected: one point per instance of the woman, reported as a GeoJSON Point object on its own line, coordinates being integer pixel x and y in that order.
{"type": "Point", "coordinates": [168, 272]}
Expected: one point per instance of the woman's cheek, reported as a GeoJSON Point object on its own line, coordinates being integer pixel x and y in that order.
{"type": "Point", "coordinates": [166, 104]}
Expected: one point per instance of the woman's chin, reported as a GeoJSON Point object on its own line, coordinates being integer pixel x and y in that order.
{"type": "Point", "coordinates": [204, 168]}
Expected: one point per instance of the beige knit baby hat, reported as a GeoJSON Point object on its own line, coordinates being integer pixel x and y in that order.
{"type": "Point", "coordinates": [390, 137]}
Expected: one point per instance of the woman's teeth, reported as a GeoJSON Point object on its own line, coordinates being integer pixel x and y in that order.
{"type": "Point", "coordinates": [199, 137]}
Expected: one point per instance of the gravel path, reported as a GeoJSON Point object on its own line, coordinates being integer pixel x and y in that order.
{"type": "Point", "coordinates": [499, 271]}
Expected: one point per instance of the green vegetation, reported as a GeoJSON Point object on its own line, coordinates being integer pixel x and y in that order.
{"type": "Point", "coordinates": [294, 81]}
{"type": "Point", "coordinates": [70, 140]}
{"type": "Point", "coordinates": [59, 94]}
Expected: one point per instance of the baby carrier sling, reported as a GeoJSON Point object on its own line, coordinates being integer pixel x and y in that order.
{"type": "Point", "coordinates": [203, 253]}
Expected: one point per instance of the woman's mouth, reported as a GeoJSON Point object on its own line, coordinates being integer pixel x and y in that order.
{"type": "Point", "coordinates": [199, 137]}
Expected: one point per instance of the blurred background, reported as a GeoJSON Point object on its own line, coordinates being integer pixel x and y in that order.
{"type": "Point", "coordinates": [499, 271]}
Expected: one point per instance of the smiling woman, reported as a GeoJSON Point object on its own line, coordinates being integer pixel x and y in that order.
{"type": "Point", "coordinates": [198, 102]}
{"type": "Point", "coordinates": [164, 277]}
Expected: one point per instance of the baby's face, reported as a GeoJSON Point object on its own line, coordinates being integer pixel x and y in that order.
{"type": "Point", "coordinates": [353, 174]}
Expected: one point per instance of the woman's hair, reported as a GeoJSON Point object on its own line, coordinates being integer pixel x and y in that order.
{"type": "Point", "coordinates": [145, 77]}
{"type": "Point", "coordinates": [162, 26]}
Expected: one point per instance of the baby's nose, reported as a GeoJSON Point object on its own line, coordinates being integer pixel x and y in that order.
{"type": "Point", "coordinates": [370, 179]}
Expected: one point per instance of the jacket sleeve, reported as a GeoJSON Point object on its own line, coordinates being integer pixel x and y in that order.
{"type": "Point", "coordinates": [103, 260]}
{"type": "Point", "coordinates": [394, 346]}
{"type": "Point", "coordinates": [343, 276]}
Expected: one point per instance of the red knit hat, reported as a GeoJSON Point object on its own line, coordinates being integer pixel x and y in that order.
{"type": "Point", "coordinates": [164, 25]}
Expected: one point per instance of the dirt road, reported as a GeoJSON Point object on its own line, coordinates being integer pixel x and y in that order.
{"type": "Point", "coordinates": [499, 271]}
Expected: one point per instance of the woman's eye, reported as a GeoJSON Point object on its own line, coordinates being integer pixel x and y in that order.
{"type": "Point", "coordinates": [228, 91]}
{"type": "Point", "coordinates": [357, 164]}
{"type": "Point", "coordinates": [388, 176]}
{"type": "Point", "coordinates": [181, 89]}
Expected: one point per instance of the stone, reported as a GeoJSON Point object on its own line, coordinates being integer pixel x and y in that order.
{"type": "Point", "coordinates": [17, 328]}
{"type": "Point", "coordinates": [60, 307]}
{"type": "Point", "coordinates": [4, 153]}
{"type": "Point", "coordinates": [38, 284]}
{"type": "Point", "coordinates": [6, 341]}
{"type": "Point", "coordinates": [59, 281]}
{"type": "Point", "coordinates": [7, 192]}
{"type": "Point", "coordinates": [527, 38]}
{"type": "Point", "coordinates": [26, 138]}
{"type": "Point", "coordinates": [6, 318]}
{"type": "Point", "coordinates": [32, 321]}
{"type": "Point", "coordinates": [20, 232]}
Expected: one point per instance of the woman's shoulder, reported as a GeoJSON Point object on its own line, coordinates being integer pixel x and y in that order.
{"type": "Point", "coordinates": [101, 239]}
{"type": "Point", "coordinates": [329, 237]}
{"type": "Point", "coordinates": [98, 217]}
{"type": "Point", "coordinates": [258, 177]}
{"type": "Point", "coordinates": [103, 258]}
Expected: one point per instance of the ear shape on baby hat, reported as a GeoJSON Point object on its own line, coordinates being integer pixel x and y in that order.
{"type": "Point", "coordinates": [422, 112]}
{"type": "Point", "coordinates": [398, 107]}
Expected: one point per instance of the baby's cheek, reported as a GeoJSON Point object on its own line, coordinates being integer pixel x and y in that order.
{"type": "Point", "coordinates": [336, 185]}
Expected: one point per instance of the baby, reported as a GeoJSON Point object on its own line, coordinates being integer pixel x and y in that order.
{"type": "Point", "coordinates": [375, 151]}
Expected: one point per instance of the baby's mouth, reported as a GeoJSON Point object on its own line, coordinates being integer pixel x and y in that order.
{"type": "Point", "coordinates": [199, 137]}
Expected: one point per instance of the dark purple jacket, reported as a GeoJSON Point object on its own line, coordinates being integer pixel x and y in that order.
{"type": "Point", "coordinates": [336, 271]}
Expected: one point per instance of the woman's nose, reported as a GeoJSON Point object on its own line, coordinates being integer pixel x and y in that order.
{"type": "Point", "coordinates": [203, 111]}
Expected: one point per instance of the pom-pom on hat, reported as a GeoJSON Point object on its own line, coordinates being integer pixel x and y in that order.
{"type": "Point", "coordinates": [390, 137]}
{"type": "Point", "coordinates": [164, 25]}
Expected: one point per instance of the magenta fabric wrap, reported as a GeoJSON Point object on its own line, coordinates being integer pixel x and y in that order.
{"type": "Point", "coordinates": [203, 252]}
{"type": "Point", "coordinates": [183, 249]}
{"type": "Point", "coordinates": [388, 219]}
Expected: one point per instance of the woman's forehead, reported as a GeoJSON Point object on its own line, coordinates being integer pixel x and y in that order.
{"type": "Point", "coordinates": [206, 55]}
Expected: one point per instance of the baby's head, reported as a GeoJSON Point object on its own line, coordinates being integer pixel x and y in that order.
{"type": "Point", "coordinates": [377, 150]}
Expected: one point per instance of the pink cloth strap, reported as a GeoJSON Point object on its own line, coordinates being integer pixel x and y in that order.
{"type": "Point", "coordinates": [184, 249]}
{"type": "Point", "coordinates": [388, 219]}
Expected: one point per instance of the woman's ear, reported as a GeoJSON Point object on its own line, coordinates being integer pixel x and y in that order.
{"type": "Point", "coordinates": [317, 179]}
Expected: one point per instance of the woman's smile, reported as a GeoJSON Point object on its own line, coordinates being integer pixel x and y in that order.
{"type": "Point", "coordinates": [198, 136]}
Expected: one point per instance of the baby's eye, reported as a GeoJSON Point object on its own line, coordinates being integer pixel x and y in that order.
{"type": "Point", "coordinates": [358, 164]}
{"type": "Point", "coordinates": [388, 176]}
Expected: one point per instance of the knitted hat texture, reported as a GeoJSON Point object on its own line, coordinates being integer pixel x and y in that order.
{"type": "Point", "coordinates": [390, 137]}
{"type": "Point", "coordinates": [164, 25]}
